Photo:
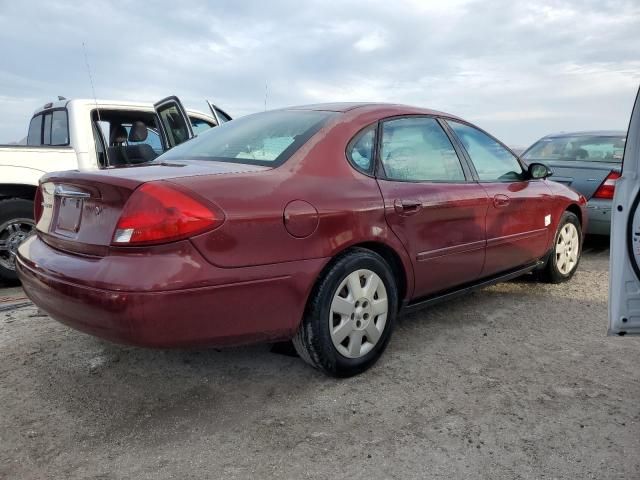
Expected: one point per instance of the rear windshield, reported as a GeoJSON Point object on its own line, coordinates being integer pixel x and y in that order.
{"type": "Point", "coordinates": [580, 148]}
{"type": "Point", "coordinates": [267, 138]}
{"type": "Point", "coordinates": [49, 128]}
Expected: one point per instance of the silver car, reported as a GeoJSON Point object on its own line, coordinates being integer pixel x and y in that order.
{"type": "Point", "coordinates": [590, 163]}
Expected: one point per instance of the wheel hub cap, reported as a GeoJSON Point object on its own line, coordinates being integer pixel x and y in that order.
{"type": "Point", "coordinates": [358, 313]}
{"type": "Point", "coordinates": [567, 248]}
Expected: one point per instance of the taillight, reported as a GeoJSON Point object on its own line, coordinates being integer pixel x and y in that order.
{"type": "Point", "coordinates": [38, 208]}
{"type": "Point", "coordinates": [159, 213]}
{"type": "Point", "coordinates": [607, 188]}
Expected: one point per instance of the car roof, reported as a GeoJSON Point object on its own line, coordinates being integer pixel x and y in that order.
{"type": "Point", "coordinates": [386, 109]}
{"type": "Point", "coordinates": [589, 133]}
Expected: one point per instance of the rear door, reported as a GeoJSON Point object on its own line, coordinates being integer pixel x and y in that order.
{"type": "Point", "coordinates": [624, 269]}
{"type": "Point", "coordinates": [174, 121]}
{"type": "Point", "coordinates": [220, 115]}
{"type": "Point", "coordinates": [519, 213]}
{"type": "Point", "coordinates": [432, 203]}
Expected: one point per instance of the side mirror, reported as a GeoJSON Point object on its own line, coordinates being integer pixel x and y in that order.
{"type": "Point", "coordinates": [538, 171]}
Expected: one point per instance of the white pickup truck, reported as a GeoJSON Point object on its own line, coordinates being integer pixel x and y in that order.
{"type": "Point", "coordinates": [85, 134]}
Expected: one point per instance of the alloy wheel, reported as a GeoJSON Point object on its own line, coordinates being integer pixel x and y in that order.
{"type": "Point", "coordinates": [12, 234]}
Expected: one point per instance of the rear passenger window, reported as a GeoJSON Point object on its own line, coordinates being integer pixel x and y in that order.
{"type": "Point", "coordinates": [492, 161]}
{"type": "Point", "coordinates": [59, 128]}
{"type": "Point", "coordinates": [46, 131]}
{"type": "Point", "coordinates": [418, 150]}
{"type": "Point", "coordinates": [34, 137]}
{"type": "Point", "coordinates": [361, 149]}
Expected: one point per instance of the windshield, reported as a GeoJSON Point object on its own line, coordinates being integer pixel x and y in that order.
{"type": "Point", "coordinates": [582, 147]}
{"type": "Point", "coordinates": [267, 138]}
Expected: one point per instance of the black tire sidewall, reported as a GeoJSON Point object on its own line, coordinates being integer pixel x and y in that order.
{"type": "Point", "coordinates": [330, 358]}
{"type": "Point", "coordinates": [13, 208]}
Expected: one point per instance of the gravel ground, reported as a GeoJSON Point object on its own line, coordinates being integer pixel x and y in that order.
{"type": "Point", "coordinates": [515, 381]}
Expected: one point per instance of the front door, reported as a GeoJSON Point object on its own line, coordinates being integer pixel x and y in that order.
{"type": "Point", "coordinates": [174, 121]}
{"type": "Point", "coordinates": [220, 115]}
{"type": "Point", "coordinates": [519, 214]}
{"type": "Point", "coordinates": [432, 203]}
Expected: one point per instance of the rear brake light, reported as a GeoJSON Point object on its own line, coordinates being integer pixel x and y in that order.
{"type": "Point", "coordinates": [607, 188]}
{"type": "Point", "coordinates": [160, 213]}
{"type": "Point", "coordinates": [38, 207]}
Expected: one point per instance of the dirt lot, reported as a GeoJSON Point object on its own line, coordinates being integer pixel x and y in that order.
{"type": "Point", "coordinates": [516, 381]}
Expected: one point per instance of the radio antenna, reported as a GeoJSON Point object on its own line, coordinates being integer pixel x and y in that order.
{"type": "Point", "coordinates": [93, 90]}
{"type": "Point", "coordinates": [266, 94]}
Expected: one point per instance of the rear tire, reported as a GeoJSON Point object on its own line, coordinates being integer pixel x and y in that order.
{"type": "Point", "coordinates": [567, 249]}
{"type": "Point", "coordinates": [350, 315]}
{"type": "Point", "coordinates": [16, 224]}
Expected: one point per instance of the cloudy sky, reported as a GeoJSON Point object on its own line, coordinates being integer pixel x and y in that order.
{"type": "Point", "coordinates": [518, 69]}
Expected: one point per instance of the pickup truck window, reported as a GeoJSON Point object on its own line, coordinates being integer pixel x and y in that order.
{"type": "Point", "coordinates": [59, 128]}
{"type": "Point", "coordinates": [34, 137]}
{"type": "Point", "coordinates": [198, 125]}
{"type": "Point", "coordinates": [46, 131]}
{"type": "Point", "coordinates": [153, 139]}
{"type": "Point", "coordinates": [50, 128]}
{"type": "Point", "coordinates": [224, 118]}
{"type": "Point", "coordinates": [177, 132]}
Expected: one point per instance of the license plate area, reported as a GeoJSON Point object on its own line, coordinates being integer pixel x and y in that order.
{"type": "Point", "coordinates": [69, 215]}
{"type": "Point", "coordinates": [62, 209]}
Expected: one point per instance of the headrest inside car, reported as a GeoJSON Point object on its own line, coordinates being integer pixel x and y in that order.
{"type": "Point", "coordinates": [138, 132]}
{"type": "Point", "coordinates": [118, 134]}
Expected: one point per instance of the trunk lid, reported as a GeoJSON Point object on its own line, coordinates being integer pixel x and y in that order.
{"type": "Point", "coordinates": [81, 209]}
{"type": "Point", "coordinates": [584, 177]}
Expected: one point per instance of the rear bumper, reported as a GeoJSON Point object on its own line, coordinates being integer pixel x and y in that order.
{"type": "Point", "coordinates": [599, 212]}
{"type": "Point", "coordinates": [260, 304]}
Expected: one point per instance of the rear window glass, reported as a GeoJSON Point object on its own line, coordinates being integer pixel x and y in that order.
{"type": "Point", "coordinates": [55, 130]}
{"type": "Point", "coordinates": [267, 138]}
{"type": "Point", "coordinates": [578, 148]}
{"type": "Point", "coordinates": [46, 131]}
{"type": "Point", "coordinates": [59, 128]}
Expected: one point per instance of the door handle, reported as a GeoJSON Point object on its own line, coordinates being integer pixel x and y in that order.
{"type": "Point", "coordinates": [407, 207]}
{"type": "Point", "coordinates": [500, 200]}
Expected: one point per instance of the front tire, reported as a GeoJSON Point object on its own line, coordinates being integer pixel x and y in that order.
{"type": "Point", "coordinates": [16, 224]}
{"type": "Point", "coordinates": [350, 315]}
{"type": "Point", "coordinates": [567, 250]}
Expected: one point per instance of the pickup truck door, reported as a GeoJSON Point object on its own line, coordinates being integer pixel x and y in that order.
{"type": "Point", "coordinates": [174, 121]}
{"type": "Point", "coordinates": [220, 115]}
{"type": "Point", "coordinates": [624, 268]}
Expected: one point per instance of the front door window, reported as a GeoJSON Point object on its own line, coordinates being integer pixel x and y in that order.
{"type": "Point", "coordinates": [491, 160]}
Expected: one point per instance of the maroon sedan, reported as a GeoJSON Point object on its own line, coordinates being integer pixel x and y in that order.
{"type": "Point", "coordinates": [318, 224]}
